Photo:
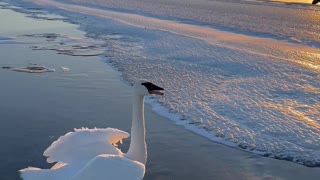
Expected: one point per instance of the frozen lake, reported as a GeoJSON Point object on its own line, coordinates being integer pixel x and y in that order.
{"type": "Point", "coordinates": [242, 73]}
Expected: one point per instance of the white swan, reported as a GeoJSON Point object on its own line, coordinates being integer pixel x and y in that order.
{"type": "Point", "coordinates": [90, 154]}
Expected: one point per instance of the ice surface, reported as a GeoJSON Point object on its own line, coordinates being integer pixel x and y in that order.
{"type": "Point", "coordinates": [262, 18]}
{"type": "Point", "coordinates": [258, 94]}
{"type": "Point", "coordinates": [70, 45]}
{"type": "Point", "coordinates": [5, 38]}
{"type": "Point", "coordinates": [47, 16]}
{"type": "Point", "coordinates": [8, 40]}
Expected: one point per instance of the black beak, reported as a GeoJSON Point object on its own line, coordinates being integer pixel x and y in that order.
{"type": "Point", "coordinates": [153, 89]}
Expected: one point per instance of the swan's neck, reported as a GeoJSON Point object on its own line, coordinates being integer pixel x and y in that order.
{"type": "Point", "coordinates": [138, 146]}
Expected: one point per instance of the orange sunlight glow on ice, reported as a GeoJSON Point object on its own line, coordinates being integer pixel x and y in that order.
{"type": "Point", "coordinates": [294, 1]}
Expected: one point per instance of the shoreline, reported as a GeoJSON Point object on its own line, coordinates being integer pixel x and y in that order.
{"type": "Point", "coordinates": [173, 151]}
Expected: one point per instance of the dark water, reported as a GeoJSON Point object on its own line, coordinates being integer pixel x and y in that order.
{"type": "Point", "coordinates": [37, 108]}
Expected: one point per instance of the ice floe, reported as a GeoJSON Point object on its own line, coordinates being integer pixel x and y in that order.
{"type": "Point", "coordinates": [68, 45]}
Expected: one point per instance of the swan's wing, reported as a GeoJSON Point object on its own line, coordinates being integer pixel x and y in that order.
{"type": "Point", "coordinates": [111, 167]}
{"type": "Point", "coordinates": [85, 144]}
{"type": "Point", "coordinates": [32, 173]}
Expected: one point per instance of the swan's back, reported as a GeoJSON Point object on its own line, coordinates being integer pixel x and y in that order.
{"type": "Point", "coordinates": [84, 144]}
{"type": "Point", "coordinates": [111, 167]}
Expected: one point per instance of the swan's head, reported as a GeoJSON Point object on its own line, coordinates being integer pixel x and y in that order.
{"type": "Point", "coordinates": [143, 87]}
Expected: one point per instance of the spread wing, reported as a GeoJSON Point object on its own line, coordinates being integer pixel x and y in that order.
{"type": "Point", "coordinates": [84, 144]}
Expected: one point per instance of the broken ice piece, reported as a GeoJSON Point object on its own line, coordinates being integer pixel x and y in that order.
{"type": "Point", "coordinates": [65, 69]}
